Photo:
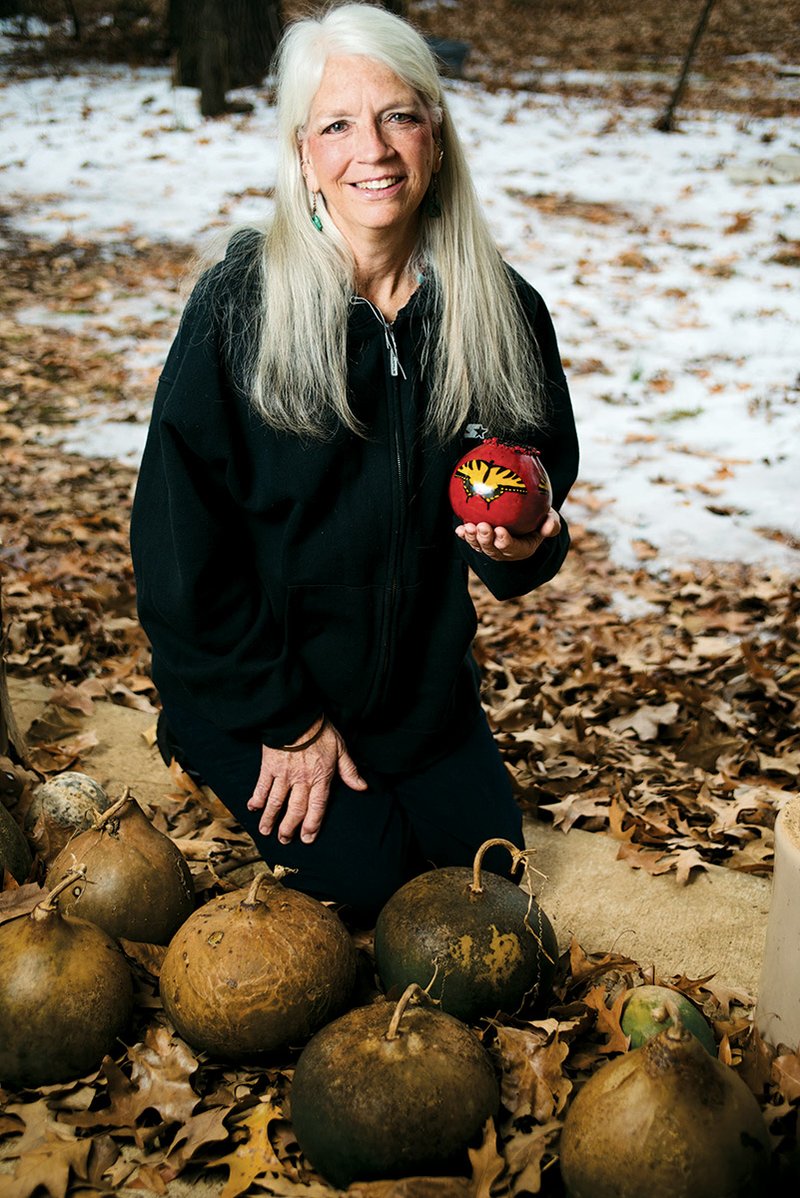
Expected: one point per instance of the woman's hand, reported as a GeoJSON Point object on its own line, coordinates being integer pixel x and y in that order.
{"type": "Point", "coordinates": [300, 782]}
{"type": "Point", "coordinates": [501, 546]}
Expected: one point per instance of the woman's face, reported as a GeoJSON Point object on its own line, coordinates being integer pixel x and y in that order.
{"type": "Point", "coordinates": [369, 148]}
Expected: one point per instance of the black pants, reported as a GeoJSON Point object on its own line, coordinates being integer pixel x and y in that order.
{"type": "Point", "coordinates": [371, 841]}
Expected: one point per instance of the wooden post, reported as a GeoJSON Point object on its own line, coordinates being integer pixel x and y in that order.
{"type": "Point", "coordinates": [778, 1007]}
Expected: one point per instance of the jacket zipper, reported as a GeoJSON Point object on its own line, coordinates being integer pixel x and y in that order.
{"type": "Point", "coordinates": [396, 372]}
{"type": "Point", "coordinates": [391, 601]}
{"type": "Point", "coordinates": [395, 366]}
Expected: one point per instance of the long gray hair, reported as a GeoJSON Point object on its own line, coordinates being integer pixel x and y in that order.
{"type": "Point", "coordinates": [480, 357]}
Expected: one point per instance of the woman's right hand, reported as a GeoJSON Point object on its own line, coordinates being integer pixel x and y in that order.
{"type": "Point", "coordinates": [297, 783]}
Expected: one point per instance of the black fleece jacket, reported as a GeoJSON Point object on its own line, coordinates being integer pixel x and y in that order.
{"type": "Point", "coordinates": [280, 578]}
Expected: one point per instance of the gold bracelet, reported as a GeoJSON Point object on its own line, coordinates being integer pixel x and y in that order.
{"type": "Point", "coordinates": [306, 743]}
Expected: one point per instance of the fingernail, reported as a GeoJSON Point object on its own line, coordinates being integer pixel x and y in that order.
{"type": "Point", "coordinates": [283, 839]}
{"type": "Point", "coordinates": [307, 837]}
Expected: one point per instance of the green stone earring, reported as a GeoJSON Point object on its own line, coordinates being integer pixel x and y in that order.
{"type": "Point", "coordinates": [315, 220]}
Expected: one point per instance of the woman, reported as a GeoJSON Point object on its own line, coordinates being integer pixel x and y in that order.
{"type": "Point", "coordinates": [299, 571]}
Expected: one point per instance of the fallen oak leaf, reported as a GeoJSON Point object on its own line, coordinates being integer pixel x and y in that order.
{"type": "Point", "coordinates": [786, 1075]}
{"type": "Point", "coordinates": [575, 807]}
{"type": "Point", "coordinates": [654, 861]}
{"type": "Point", "coordinates": [147, 1178]}
{"type": "Point", "coordinates": [608, 1019]}
{"type": "Point", "coordinates": [723, 995]}
{"type": "Point", "coordinates": [49, 1166]}
{"type": "Point", "coordinates": [533, 1081]}
{"type": "Point", "coordinates": [57, 756]}
{"type": "Point", "coordinates": [125, 697]}
{"type": "Point", "coordinates": [149, 956]}
{"type": "Point", "coordinates": [54, 724]}
{"type": "Point", "coordinates": [159, 1081]}
{"type": "Point", "coordinates": [487, 1163]}
{"type": "Point", "coordinates": [162, 1066]}
{"type": "Point", "coordinates": [584, 966]}
{"type": "Point", "coordinates": [646, 721]}
{"type": "Point", "coordinates": [124, 1108]}
{"type": "Point", "coordinates": [75, 698]}
{"type": "Point", "coordinates": [19, 900]}
{"type": "Point", "coordinates": [197, 1134]}
{"type": "Point", "coordinates": [103, 1156]}
{"type": "Point", "coordinates": [756, 1065]}
{"type": "Point", "coordinates": [10, 1125]}
{"type": "Point", "coordinates": [524, 1152]}
{"type": "Point", "coordinates": [685, 861]}
{"type": "Point", "coordinates": [36, 1124]}
{"type": "Point", "coordinates": [254, 1156]}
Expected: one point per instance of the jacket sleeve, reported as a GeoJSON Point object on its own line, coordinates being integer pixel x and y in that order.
{"type": "Point", "coordinates": [217, 645]}
{"type": "Point", "coordinates": [557, 442]}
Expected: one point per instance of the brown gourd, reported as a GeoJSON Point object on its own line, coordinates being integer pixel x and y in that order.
{"type": "Point", "coordinates": [667, 1120]}
{"type": "Point", "coordinates": [257, 969]}
{"type": "Point", "coordinates": [391, 1090]}
{"type": "Point", "coordinates": [474, 940]}
{"type": "Point", "coordinates": [65, 994]}
{"type": "Point", "coordinates": [140, 885]}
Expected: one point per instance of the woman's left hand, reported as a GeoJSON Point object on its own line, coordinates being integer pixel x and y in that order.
{"type": "Point", "coordinates": [501, 546]}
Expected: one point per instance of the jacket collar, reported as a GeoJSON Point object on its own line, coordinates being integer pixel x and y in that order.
{"type": "Point", "coordinates": [364, 318]}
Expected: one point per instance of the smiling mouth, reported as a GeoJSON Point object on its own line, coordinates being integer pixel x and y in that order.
{"type": "Point", "coordinates": [378, 184]}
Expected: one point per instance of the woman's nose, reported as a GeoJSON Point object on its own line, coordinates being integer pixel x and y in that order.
{"type": "Point", "coordinates": [372, 143]}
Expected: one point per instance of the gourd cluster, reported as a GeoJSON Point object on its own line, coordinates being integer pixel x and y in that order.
{"type": "Point", "coordinates": [399, 1087]}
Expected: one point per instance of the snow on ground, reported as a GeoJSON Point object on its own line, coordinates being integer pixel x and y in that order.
{"type": "Point", "coordinates": [658, 256]}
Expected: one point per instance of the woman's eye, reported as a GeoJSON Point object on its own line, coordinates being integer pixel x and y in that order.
{"type": "Point", "coordinates": [335, 127]}
{"type": "Point", "coordinates": [402, 118]}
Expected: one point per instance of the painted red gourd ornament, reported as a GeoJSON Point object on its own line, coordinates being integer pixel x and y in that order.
{"type": "Point", "coordinates": [502, 485]}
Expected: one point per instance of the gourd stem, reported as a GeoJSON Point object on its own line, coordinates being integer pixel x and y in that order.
{"type": "Point", "coordinates": [264, 877]}
{"type": "Point", "coordinates": [48, 904]}
{"type": "Point", "coordinates": [115, 809]}
{"type": "Point", "coordinates": [676, 1030]}
{"type": "Point", "coordinates": [517, 856]}
{"type": "Point", "coordinates": [399, 1011]}
{"type": "Point", "coordinates": [255, 886]}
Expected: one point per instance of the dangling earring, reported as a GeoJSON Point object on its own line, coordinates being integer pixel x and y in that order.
{"type": "Point", "coordinates": [315, 220]}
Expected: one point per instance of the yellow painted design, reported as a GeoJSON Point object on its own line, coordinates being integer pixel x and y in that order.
{"type": "Point", "coordinates": [461, 950]}
{"type": "Point", "coordinates": [503, 956]}
{"type": "Point", "coordinates": [486, 480]}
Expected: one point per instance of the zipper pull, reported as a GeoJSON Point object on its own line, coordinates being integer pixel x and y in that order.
{"type": "Point", "coordinates": [394, 362]}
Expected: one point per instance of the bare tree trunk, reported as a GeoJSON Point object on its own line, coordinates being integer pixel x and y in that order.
{"type": "Point", "coordinates": [223, 44]}
{"type": "Point", "coordinates": [12, 742]}
{"type": "Point", "coordinates": [77, 33]}
{"type": "Point", "coordinates": [666, 122]}
{"type": "Point", "coordinates": [213, 58]}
